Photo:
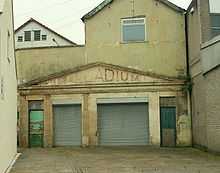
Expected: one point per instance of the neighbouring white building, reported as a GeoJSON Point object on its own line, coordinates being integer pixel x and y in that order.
{"type": "Point", "coordinates": [8, 87]}
{"type": "Point", "coordinates": [34, 34]}
{"type": "Point", "coordinates": [214, 6]}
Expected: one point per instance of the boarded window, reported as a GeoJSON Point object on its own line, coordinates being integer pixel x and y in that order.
{"type": "Point", "coordinates": [215, 24]}
{"type": "Point", "coordinates": [133, 30]}
{"type": "Point", "coordinates": [20, 38]}
{"type": "Point", "coordinates": [35, 105]}
{"type": "Point", "coordinates": [168, 101]}
{"type": "Point", "coordinates": [27, 35]}
{"type": "Point", "coordinates": [37, 35]}
{"type": "Point", "coordinates": [44, 37]}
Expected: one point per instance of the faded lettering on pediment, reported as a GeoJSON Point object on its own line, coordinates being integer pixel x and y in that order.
{"type": "Point", "coordinates": [112, 75]}
{"type": "Point", "coordinates": [100, 75]}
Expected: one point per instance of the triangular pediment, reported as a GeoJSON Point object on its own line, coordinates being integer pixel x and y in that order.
{"type": "Point", "coordinates": [101, 73]}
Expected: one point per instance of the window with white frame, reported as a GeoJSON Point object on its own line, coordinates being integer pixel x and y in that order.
{"type": "Point", "coordinates": [133, 29]}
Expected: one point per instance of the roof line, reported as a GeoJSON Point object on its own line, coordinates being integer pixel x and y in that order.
{"type": "Point", "coordinates": [97, 9]}
{"type": "Point", "coordinates": [191, 5]}
{"type": "Point", "coordinates": [91, 65]}
{"type": "Point", "coordinates": [44, 26]}
{"type": "Point", "coordinates": [50, 47]}
{"type": "Point", "coordinates": [102, 5]}
{"type": "Point", "coordinates": [172, 6]}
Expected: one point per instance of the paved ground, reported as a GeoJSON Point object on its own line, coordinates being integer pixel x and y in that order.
{"type": "Point", "coordinates": [116, 160]}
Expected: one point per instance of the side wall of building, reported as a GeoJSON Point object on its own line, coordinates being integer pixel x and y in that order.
{"type": "Point", "coordinates": [8, 88]}
{"type": "Point", "coordinates": [204, 12]}
{"type": "Point", "coordinates": [198, 82]}
{"type": "Point", "coordinates": [204, 69]}
{"type": "Point", "coordinates": [213, 107]}
{"type": "Point", "coordinates": [164, 50]}
{"type": "Point", "coordinates": [211, 72]}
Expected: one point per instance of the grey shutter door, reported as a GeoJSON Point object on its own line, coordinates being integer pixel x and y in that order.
{"type": "Point", "coordinates": [123, 124]}
{"type": "Point", "coordinates": [67, 125]}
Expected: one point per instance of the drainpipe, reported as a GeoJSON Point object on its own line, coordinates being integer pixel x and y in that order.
{"type": "Point", "coordinates": [189, 93]}
{"type": "Point", "coordinates": [187, 44]}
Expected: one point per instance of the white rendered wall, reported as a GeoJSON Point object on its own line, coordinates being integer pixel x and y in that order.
{"type": "Point", "coordinates": [214, 6]}
{"type": "Point", "coordinates": [8, 84]}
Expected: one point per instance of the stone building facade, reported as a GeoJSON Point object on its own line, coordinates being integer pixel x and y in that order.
{"type": "Point", "coordinates": [121, 88]}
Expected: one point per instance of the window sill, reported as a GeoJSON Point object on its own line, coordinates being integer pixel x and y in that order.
{"type": "Point", "coordinates": [133, 42]}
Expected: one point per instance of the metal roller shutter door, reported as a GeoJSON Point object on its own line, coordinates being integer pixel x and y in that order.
{"type": "Point", "coordinates": [67, 125]}
{"type": "Point", "coordinates": [123, 124]}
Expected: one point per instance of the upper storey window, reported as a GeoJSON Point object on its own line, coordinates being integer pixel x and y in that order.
{"type": "Point", "coordinates": [44, 37]}
{"type": "Point", "coordinates": [37, 35]}
{"type": "Point", "coordinates": [215, 24]}
{"type": "Point", "coordinates": [27, 35]}
{"type": "Point", "coordinates": [34, 35]}
{"type": "Point", "coordinates": [20, 38]}
{"type": "Point", "coordinates": [133, 30]}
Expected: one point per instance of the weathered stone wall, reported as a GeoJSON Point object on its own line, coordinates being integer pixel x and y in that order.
{"type": "Point", "coordinates": [184, 129]}
{"type": "Point", "coordinates": [164, 50]}
{"type": "Point", "coordinates": [205, 20]}
{"type": "Point", "coordinates": [198, 32]}
{"type": "Point", "coordinates": [89, 117]}
{"type": "Point", "coordinates": [35, 63]}
{"type": "Point", "coordinates": [195, 68]}
{"type": "Point", "coordinates": [183, 117]}
{"type": "Point", "coordinates": [213, 109]}
{"type": "Point", "coordinates": [96, 83]}
{"type": "Point", "coordinates": [199, 112]}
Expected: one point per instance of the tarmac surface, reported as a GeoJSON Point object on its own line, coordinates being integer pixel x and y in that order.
{"type": "Point", "coordinates": [116, 160]}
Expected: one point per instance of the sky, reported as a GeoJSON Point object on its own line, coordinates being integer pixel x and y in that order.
{"type": "Point", "coordinates": [63, 16]}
